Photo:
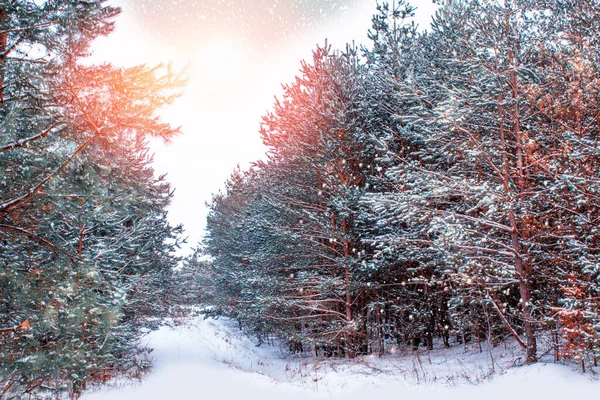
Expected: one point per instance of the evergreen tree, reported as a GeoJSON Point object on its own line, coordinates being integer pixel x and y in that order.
{"type": "Point", "coordinates": [565, 161]}
{"type": "Point", "coordinates": [86, 248]}
{"type": "Point", "coordinates": [411, 293]}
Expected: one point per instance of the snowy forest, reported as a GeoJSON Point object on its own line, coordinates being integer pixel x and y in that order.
{"type": "Point", "coordinates": [437, 187]}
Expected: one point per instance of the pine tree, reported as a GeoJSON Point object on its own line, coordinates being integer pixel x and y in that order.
{"type": "Point", "coordinates": [86, 248]}
{"type": "Point", "coordinates": [412, 290]}
{"type": "Point", "coordinates": [565, 160]}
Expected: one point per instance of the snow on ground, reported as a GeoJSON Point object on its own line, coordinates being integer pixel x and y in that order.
{"type": "Point", "coordinates": [207, 359]}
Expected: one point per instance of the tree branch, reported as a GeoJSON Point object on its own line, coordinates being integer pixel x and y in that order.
{"type": "Point", "coordinates": [38, 238]}
{"type": "Point", "coordinates": [506, 323]}
{"type": "Point", "coordinates": [23, 142]}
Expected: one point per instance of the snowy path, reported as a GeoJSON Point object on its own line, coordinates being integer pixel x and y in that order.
{"type": "Point", "coordinates": [208, 359]}
{"type": "Point", "coordinates": [193, 362]}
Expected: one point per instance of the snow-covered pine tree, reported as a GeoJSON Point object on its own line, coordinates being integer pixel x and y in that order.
{"type": "Point", "coordinates": [85, 245]}
{"type": "Point", "coordinates": [477, 195]}
{"type": "Point", "coordinates": [319, 127]}
{"type": "Point", "coordinates": [237, 246]}
{"type": "Point", "coordinates": [286, 229]}
{"type": "Point", "coordinates": [194, 281]}
{"type": "Point", "coordinates": [410, 286]}
{"type": "Point", "coordinates": [565, 160]}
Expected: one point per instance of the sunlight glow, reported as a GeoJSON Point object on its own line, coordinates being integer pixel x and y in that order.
{"type": "Point", "coordinates": [220, 62]}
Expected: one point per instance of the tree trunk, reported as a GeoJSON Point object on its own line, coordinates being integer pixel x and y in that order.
{"type": "Point", "coordinates": [3, 48]}
{"type": "Point", "coordinates": [523, 274]}
{"type": "Point", "coordinates": [525, 292]}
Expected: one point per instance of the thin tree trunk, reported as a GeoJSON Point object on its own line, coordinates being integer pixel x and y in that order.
{"type": "Point", "coordinates": [525, 292]}
{"type": "Point", "coordinates": [3, 48]}
{"type": "Point", "coordinates": [523, 273]}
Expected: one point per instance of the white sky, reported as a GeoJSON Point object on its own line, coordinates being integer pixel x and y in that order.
{"type": "Point", "coordinates": [234, 75]}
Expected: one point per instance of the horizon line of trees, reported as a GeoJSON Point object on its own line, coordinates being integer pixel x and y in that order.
{"type": "Point", "coordinates": [441, 183]}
